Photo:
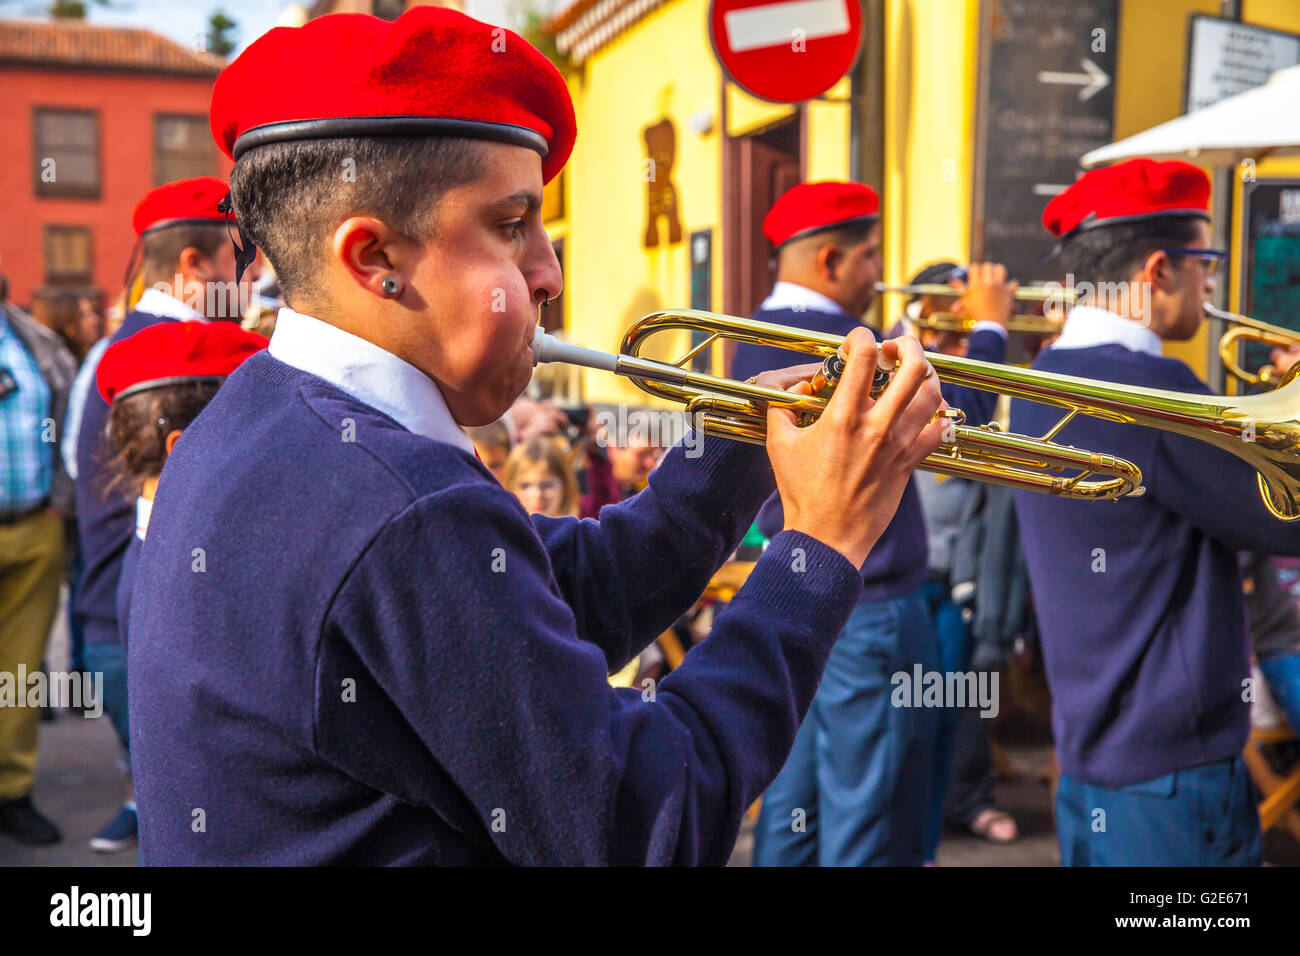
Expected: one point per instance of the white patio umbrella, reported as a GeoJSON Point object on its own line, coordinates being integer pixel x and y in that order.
{"type": "Point", "coordinates": [1260, 122]}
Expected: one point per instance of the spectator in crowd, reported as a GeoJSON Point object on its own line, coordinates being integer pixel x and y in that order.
{"type": "Point", "coordinates": [1270, 586]}
{"type": "Point", "coordinates": [538, 472]}
{"type": "Point", "coordinates": [36, 371]}
{"type": "Point", "coordinates": [633, 460]}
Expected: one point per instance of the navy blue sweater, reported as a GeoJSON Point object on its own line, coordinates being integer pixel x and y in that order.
{"type": "Point", "coordinates": [105, 521]}
{"type": "Point", "coordinates": [366, 652]}
{"type": "Point", "coordinates": [1139, 601]}
{"type": "Point", "coordinates": [898, 563]}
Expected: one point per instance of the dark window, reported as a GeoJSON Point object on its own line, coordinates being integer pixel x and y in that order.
{"type": "Point", "coordinates": [68, 255]}
{"type": "Point", "coordinates": [182, 148]}
{"type": "Point", "coordinates": [66, 145]}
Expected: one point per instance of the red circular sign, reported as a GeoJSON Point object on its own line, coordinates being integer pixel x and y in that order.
{"type": "Point", "coordinates": [785, 50]}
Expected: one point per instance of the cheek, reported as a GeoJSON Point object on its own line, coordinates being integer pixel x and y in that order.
{"type": "Point", "coordinates": [484, 318]}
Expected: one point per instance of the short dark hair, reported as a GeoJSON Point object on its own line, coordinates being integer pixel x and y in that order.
{"type": "Point", "coordinates": [289, 195]}
{"type": "Point", "coordinates": [842, 237]}
{"type": "Point", "coordinates": [162, 247]}
{"type": "Point", "coordinates": [138, 426]}
{"type": "Point", "coordinates": [1112, 253]}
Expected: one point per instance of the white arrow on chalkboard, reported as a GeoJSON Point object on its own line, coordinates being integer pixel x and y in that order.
{"type": "Point", "coordinates": [1093, 79]}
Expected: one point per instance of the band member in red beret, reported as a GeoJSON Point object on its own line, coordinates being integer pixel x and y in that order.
{"type": "Point", "coordinates": [1139, 603]}
{"type": "Point", "coordinates": [189, 274]}
{"type": "Point", "coordinates": [854, 790]}
{"type": "Point", "coordinates": [156, 382]}
{"type": "Point", "coordinates": [384, 659]}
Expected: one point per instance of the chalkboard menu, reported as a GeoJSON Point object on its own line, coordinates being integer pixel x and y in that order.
{"type": "Point", "coordinates": [1046, 97]}
{"type": "Point", "coordinates": [1270, 279]}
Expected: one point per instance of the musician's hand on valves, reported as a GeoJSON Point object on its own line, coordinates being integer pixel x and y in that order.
{"type": "Point", "coordinates": [841, 477]}
{"type": "Point", "coordinates": [987, 295]}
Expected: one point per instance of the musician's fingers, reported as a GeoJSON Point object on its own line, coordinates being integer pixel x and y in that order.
{"type": "Point", "coordinates": [783, 378]}
{"type": "Point", "coordinates": [782, 423]}
{"type": "Point", "coordinates": [912, 370]}
{"type": "Point", "coordinates": [852, 396]}
{"type": "Point", "coordinates": [930, 437]}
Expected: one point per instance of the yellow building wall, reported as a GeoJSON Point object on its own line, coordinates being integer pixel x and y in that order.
{"type": "Point", "coordinates": [664, 66]}
{"type": "Point", "coordinates": [829, 122]}
{"type": "Point", "coordinates": [931, 62]}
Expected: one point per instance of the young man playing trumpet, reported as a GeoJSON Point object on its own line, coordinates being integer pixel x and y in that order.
{"type": "Point", "coordinates": [381, 658]}
{"type": "Point", "coordinates": [853, 792]}
{"type": "Point", "coordinates": [1139, 602]}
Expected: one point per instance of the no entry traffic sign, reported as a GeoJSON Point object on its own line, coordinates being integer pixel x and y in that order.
{"type": "Point", "coordinates": [785, 51]}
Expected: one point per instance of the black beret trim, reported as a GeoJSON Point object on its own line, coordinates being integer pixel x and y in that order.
{"type": "Point", "coordinates": [190, 221]}
{"type": "Point", "coordinates": [355, 126]}
{"type": "Point", "coordinates": [161, 382]}
{"type": "Point", "coordinates": [1091, 221]}
{"type": "Point", "coordinates": [812, 231]}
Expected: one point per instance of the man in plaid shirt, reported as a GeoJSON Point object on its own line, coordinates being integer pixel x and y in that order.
{"type": "Point", "coordinates": [36, 370]}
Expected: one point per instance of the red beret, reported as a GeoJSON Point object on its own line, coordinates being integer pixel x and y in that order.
{"type": "Point", "coordinates": [432, 71]}
{"type": "Point", "coordinates": [1135, 189]}
{"type": "Point", "coordinates": [812, 207]}
{"type": "Point", "coordinates": [186, 200]}
{"type": "Point", "coordinates": [173, 352]}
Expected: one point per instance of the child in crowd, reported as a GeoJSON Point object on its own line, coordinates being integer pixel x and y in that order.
{"type": "Point", "coordinates": [540, 475]}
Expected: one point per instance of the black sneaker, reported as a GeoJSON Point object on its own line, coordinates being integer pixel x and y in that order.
{"type": "Point", "coordinates": [120, 833]}
{"type": "Point", "coordinates": [22, 821]}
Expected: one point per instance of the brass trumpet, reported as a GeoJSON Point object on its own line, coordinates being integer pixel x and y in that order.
{"type": "Point", "coordinates": [1028, 323]}
{"type": "Point", "coordinates": [1249, 330]}
{"type": "Point", "coordinates": [1263, 430]}
{"type": "Point", "coordinates": [1027, 294]}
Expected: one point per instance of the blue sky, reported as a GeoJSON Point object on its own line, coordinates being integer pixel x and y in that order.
{"type": "Point", "coordinates": [185, 21]}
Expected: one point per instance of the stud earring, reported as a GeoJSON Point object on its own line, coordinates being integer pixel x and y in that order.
{"type": "Point", "coordinates": [391, 285]}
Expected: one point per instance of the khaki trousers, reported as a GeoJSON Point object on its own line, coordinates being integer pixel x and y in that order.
{"type": "Point", "coordinates": [31, 569]}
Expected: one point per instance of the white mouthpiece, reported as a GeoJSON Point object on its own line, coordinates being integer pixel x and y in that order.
{"type": "Point", "coordinates": [547, 348]}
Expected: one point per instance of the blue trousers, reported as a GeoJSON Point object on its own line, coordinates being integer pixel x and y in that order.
{"type": "Point", "coordinates": [109, 659]}
{"type": "Point", "coordinates": [1199, 816]}
{"type": "Point", "coordinates": [854, 790]}
{"type": "Point", "coordinates": [954, 645]}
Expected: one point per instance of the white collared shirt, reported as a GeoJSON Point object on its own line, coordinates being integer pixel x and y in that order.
{"type": "Point", "coordinates": [143, 509]}
{"type": "Point", "coordinates": [1087, 326]}
{"type": "Point", "coordinates": [156, 302]}
{"type": "Point", "coordinates": [791, 295]}
{"type": "Point", "coordinates": [368, 373]}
